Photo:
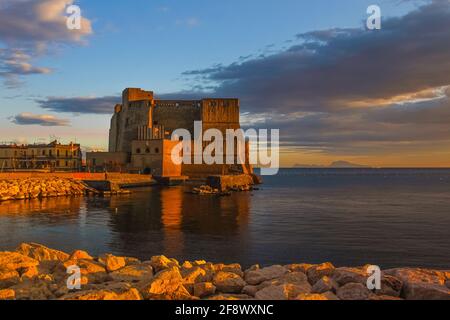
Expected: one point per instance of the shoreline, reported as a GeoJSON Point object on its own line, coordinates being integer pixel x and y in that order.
{"type": "Point", "coordinates": [35, 272]}
{"type": "Point", "coordinates": [16, 187]}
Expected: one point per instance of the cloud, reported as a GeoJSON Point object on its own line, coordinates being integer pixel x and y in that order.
{"type": "Point", "coordinates": [30, 29]}
{"type": "Point", "coordinates": [15, 63]}
{"type": "Point", "coordinates": [340, 68]}
{"type": "Point", "coordinates": [44, 120]}
{"type": "Point", "coordinates": [416, 126]}
{"type": "Point", "coordinates": [351, 91]}
{"type": "Point", "coordinates": [82, 105]}
{"type": "Point", "coordinates": [100, 105]}
{"type": "Point", "coordinates": [43, 21]}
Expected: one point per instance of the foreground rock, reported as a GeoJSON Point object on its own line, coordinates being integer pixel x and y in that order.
{"type": "Point", "coordinates": [33, 188]}
{"type": "Point", "coordinates": [35, 272]}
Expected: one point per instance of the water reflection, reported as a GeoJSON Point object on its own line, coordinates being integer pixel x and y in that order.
{"type": "Point", "coordinates": [70, 205]}
{"type": "Point", "coordinates": [387, 218]}
{"type": "Point", "coordinates": [171, 221]}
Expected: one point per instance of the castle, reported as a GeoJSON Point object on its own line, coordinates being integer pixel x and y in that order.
{"type": "Point", "coordinates": [141, 130]}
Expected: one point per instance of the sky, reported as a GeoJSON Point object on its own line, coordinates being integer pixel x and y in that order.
{"type": "Point", "coordinates": [336, 90]}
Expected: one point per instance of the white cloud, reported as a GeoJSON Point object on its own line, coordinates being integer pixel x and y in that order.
{"type": "Point", "coordinates": [30, 29]}
{"type": "Point", "coordinates": [45, 120]}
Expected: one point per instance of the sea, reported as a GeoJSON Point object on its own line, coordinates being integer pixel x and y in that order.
{"type": "Point", "coordinates": [349, 217]}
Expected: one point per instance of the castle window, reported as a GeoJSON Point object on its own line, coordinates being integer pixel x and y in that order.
{"type": "Point", "coordinates": [155, 123]}
{"type": "Point", "coordinates": [138, 150]}
{"type": "Point", "coordinates": [156, 150]}
{"type": "Point", "coordinates": [147, 150]}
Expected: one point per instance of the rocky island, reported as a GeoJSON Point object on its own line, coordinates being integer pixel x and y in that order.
{"type": "Point", "coordinates": [35, 272]}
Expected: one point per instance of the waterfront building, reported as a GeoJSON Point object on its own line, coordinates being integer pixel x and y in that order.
{"type": "Point", "coordinates": [52, 157]}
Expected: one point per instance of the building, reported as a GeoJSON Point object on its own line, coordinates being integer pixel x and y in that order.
{"type": "Point", "coordinates": [52, 157]}
{"type": "Point", "coordinates": [141, 130]}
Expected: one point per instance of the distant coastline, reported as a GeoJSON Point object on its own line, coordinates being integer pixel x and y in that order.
{"type": "Point", "coordinates": [334, 165]}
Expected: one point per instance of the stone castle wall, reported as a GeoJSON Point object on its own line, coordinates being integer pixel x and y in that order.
{"type": "Point", "coordinates": [139, 110]}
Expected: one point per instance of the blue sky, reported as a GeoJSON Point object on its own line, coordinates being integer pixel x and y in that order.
{"type": "Point", "coordinates": [149, 44]}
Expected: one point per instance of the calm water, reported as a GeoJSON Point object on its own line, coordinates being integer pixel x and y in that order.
{"type": "Point", "coordinates": [349, 217]}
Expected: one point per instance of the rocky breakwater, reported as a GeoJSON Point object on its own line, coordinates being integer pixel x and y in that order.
{"type": "Point", "coordinates": [36, 272]}
{"type": "Point", "coordinates": [30, 188]}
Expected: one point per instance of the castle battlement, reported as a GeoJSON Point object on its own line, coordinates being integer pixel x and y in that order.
{"type": "Point", "coordinates": [141, 128]}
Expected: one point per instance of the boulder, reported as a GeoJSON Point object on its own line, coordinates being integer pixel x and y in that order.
{"type": "Point", "coordinates": [228, 282]}
{"type": "Point", "coordinates": [133, 273]}
{"type": "Point", "coordinates": [302, 267]}
{"type": "Point", "coordinates": [317, 297]}
{"type": "Point", "coordinates": [343, 276]}
{"type": "Point", "coordinates": [256, 277]}
{"type": "Point", "coordinates": [35, 289]}
{"type": "Point", "coordinates": [199, 263]}
{"type": "Point", "coordinates": [390, 285]}
{"type": "Point", "coordinates": [7, 294]}
{"type": "Point", "coordinates": [187, 265]}
{"type": "Point", "coordinates": [234, 268]}
{"type": "Point", "coordinates": [196, 275]}
{"type": "Point", "coordinates": [92, 270]}
{"type": "Point", "coordinates": [8, 278]}
{"type": "Point", "coordinates": [204, 289]}
{"type": "Point", "coordinates": [297, 278]}
{"type": "Point", "coordinates": [317, 272]}
{"type": "Point", "coordinates": [79, 255]}
{"type": "Point", "coordinates": [129, 261]}
{"type": "Point", "coordinates": [280, 292]}
{"type": "Point", "coordinates": [292, 278]}
{"type": "Point", "coordinates": [161, 262]}
{"type": "Point", "coordinates": [29, 273]}
{"type": "Point", "coordinates": [15, 261]}
{"type": "Point", "coordinates": [425, 291]}
{"type": "Point", "coordinates": [41, 253]}
{"type": "Point", "coordinates": [409, 275]}
{"type": "Point", "coordinates": [353, 291]}
{"type": "Point", "coordinates": [325, 284]}
{"type": "Point", "coordinates": [230, 297]}
{"type": "Point", "coordinates": [377, 297]}
{"type": "Point", "coordinates": [166, 285]}
{"type": "Point", "coordinates": [111, 262]}
{"type": "Point", "coordinates": [252, 268]}
{"type": "Point", "coordinates": [130, 294]}
{"type": "Point", "coordinates": [251, 290]}
{"type": "Point", "coordinates": [422, 284]}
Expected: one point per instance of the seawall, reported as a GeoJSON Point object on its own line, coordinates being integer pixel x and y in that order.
{"type": "Point", "coordinates": [32, 188]}
{"type": "Point", "coordinates": [33, 185]}
{"type": "Point", "coordinates": [35, 272]}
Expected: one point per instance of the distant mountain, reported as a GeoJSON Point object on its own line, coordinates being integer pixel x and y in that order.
{"type": "Point", "coordinates": [346, 164]}
{"type": "Point", "coordinates": [336, 164]}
